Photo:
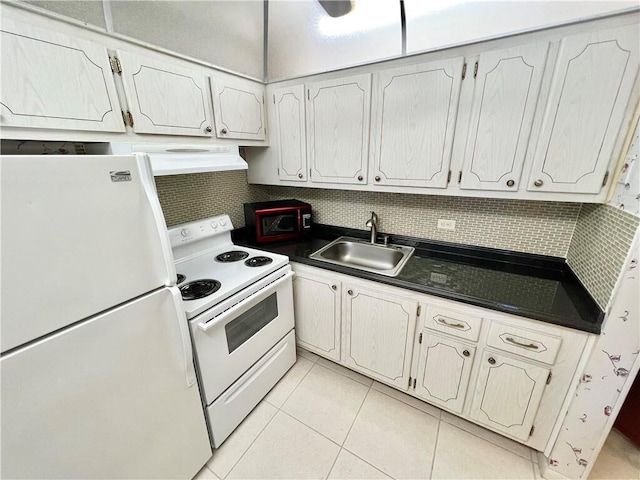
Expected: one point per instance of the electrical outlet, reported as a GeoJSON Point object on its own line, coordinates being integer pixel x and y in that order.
{"type": "Point", "coordinates": [446, 224]}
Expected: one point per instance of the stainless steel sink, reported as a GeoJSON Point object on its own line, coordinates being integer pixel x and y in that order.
{"type": "Point", "coordinates": [362, 255]}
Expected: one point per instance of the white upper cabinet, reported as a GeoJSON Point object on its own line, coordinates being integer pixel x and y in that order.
{"type": "Point", "coordinates": [164, 98]}
{"type": "Point", "coordinates": [588, 95]}
{"type": "Point", "coordinates": [413, 123]}
{"type": "Point", "coordinates": [51, 80]}
{"type": "Point", "coordinates": [338, 129]}
{"type": "Point", "coordinates": [505, 86]}
{"type": "Point", "coordinates": [238, 106]}
{"type": "Point", "coordinates": [288, 106]}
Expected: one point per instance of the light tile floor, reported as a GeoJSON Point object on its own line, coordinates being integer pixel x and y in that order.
{"type": "Point", "coordinates": [325, 421]}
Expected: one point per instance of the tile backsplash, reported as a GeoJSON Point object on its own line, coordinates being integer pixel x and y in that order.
{"type": "Point", "coordinates": [185, 198]}
{"type": "Point", "coordinates": [599, 247]}
{"type": "Point", "coordinates": [594, 238]}
{"type": "Point", "coordinates": [532, 227]}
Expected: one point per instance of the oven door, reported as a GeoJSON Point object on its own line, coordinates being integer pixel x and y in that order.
{"type": "Point", "coordinates": [228, 344]}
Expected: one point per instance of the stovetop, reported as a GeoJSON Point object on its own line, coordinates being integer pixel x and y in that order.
{"type": "Point", "coordinates": [195, 247]}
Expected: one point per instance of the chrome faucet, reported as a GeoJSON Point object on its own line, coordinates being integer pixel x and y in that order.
{"type": "Point", "coordinates": [372, 223]}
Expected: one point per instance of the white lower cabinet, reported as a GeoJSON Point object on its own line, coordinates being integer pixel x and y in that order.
{"type": "Point", "coordinates": [317, 305]}
{"type": "Point", "coordinates": [379, 332]}
{"type": "Point", "coordinates": [508, 393]}
{"type": "Point", "coordinates": [444, 371]}
{"type": "Point", "coordinates": [510, 374]}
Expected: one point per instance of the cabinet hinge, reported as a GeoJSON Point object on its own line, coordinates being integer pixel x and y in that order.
{"type": "Point", "coordinates": [475, 70]}
{"type": "Point", "coordinates": [418, 311]}
{"type": "Point", "coordinates": [309, 173]}
{"type": "Point", "coordinates": [464, 71]}
{"type": "Point", "coordinates": [127, 118]}
{"type": "Point", "coordinates": [274, 99]}
{"type": "Point", "coordinates": [116, 67]}
{"type": "Point", "coordinates": [459, 176]}
{"type": "Point", "coordinates": [606, 177]}
{"type": "Point", "coordinates": [449, 177]}
{"type": "Point", "coordinates": [420, 338]}
{"type": "Point", "coordinates": [533, 428]}
{"type": "Point", "coordinates": [409, 382]}
{"type": "Point", "coordinates": [308, 94]}
{"type": "Point", "coordinates": [278, 172]}
{"type": "Point", "coordinates": [414, 383]}
{"type": "Point", "coordinates": [549, 379]}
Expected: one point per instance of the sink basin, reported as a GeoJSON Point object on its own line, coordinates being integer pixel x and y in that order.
{"type": "Point", "coordinates": [362, 255]}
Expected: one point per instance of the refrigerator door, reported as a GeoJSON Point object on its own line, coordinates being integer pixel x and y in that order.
{"type": "Point", "coordinates": [106, 398]}
{"type": "Point", "coordinates": [80, 234]}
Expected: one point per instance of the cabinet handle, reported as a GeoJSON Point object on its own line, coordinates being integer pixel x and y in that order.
{"type": "Point", "coordinates": [491, 360]}
{"type": "Point", "coordinates": [538, 183]}
{"type": "Point", "coordinates": [299, 175]}
{"type": "Point", "coordinates": [360, 177]}
{"type": "Point", "coordinates": [350, 292]}
{"type": "Point", "coordinates": [208, 129]}
{"type": "Point", "coordinates": [449, 324]}
{"type": "Point", "coordinates": [377, 178]}
{"type": "Point", "coordinates": [223, 131]}
{"type": "Point", "coordinates": [334, 287]}
{"type": "Point", "coordinates": [510, 183]}
{"type": "Point", "coordinates": [466, 353]}
{"type": "Point", "coordinates": [532, 346]}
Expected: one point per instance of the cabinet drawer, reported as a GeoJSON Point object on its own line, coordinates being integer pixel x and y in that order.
{"type": "Point", "coordinates": [454, 323]}
{"type": "Point", "coordinates": [532, 344]}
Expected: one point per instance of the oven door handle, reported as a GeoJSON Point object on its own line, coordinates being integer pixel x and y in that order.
{"type": "Point", "coordinates": [252, 299]}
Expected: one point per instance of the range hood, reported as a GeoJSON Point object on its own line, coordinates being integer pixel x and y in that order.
{"type": "Point", "coordinates": [174, 159]}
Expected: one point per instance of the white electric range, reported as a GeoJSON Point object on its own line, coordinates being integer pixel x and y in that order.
{"type": "Point", "coordinates": [239, 304]}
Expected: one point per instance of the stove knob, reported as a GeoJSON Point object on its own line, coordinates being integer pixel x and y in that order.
{"type": "Point", "coordinates": [223, 222]}
{"type": "Point", "coordinates": [214, 225]}
{"type": "Point", "coordinates": [184, 232]}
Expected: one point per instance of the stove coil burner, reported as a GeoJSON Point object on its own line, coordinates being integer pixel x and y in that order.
{"type": "Point", "coordinates": [258, 261]}
{"type": "Point", "coordinates": [232, 256]}
{"type": "Point", "coordinates": [199, 289]}
{"type": "Point", "coordinates": [181, 278]}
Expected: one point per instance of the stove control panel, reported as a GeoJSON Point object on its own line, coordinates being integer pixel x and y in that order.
{"type": "Point", "coordinates": [200, 230]}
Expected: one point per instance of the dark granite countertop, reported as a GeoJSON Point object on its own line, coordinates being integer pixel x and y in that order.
{"type": "Point", "coordinates": [534, 286]}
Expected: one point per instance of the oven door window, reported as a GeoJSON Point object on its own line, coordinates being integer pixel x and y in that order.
{"type": "Point", "coordinates": [244, 327]}
{"type": "Point", "coordinates": [279, 224]}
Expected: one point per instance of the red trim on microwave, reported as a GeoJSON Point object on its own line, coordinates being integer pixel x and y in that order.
{"type": "Point", "coordinates": [266, 212]}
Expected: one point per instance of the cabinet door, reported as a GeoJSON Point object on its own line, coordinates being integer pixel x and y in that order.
{"type": "Point", "coordinates": [317, 303]}
{"type": "Point", "coordinates": [238, 106]}
{"type": "Point", "coordinates": [338, 129]}
{"type": "Point", "coordinates": [590, 88]}
{"type": "Point", "coordinates": [508, 394]}
{"type": "Point", "coordinates": [415, 115]}
{"type": "Point", "coordinates": [50, 80]}
{"type": "Point", "coordinates": [379, 334]}
{"type": "Point", "coordinates": [443, 371]}
{"type": "Point", "coordinates": [290, 132]}
{"type": "Point", "coordinates": [165, 99]}
{"type": "Point", "coordinates": [506, 89]}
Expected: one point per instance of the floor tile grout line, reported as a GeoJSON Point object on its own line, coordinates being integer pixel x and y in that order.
{"type": "Point", "coordinates": [368, 463]}
{"type": "Point", "coordinates": [487, 440]}
{"type": "Point", "coordinates": [409, 405]}
{"type": "Point", "coordinates": [356, 415]}
{"type": "Point", "coordinates": [347, 376]}
{"type": "Point", "coordinates": [435, 449]}
{"type": "Point", "coordinates": [311, 428]}
{"type": "Point", "coordinates": [250, 445]}
{"type": "Point", "coordinates": [297, 384]}
{"type": "Point", "coordinates": [334, 463]}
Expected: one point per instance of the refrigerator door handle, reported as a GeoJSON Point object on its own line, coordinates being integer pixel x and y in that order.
{"type": "Point", "coordinates": [152, 197]}
{"type": "Point", "coordinates": [183, 325]}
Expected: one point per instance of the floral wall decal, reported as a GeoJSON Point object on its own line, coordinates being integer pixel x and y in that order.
{"type": "Point", "coordinates": [608, 370]}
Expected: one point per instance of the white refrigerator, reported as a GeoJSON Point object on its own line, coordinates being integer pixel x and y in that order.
{"type": "Point", "coordinates": [96, 370]}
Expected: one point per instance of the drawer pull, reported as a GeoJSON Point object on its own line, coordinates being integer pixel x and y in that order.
{"type": "Point", "coordinates": [531, 346]}
{"type": "Point", "coordinates": [443, 321]}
